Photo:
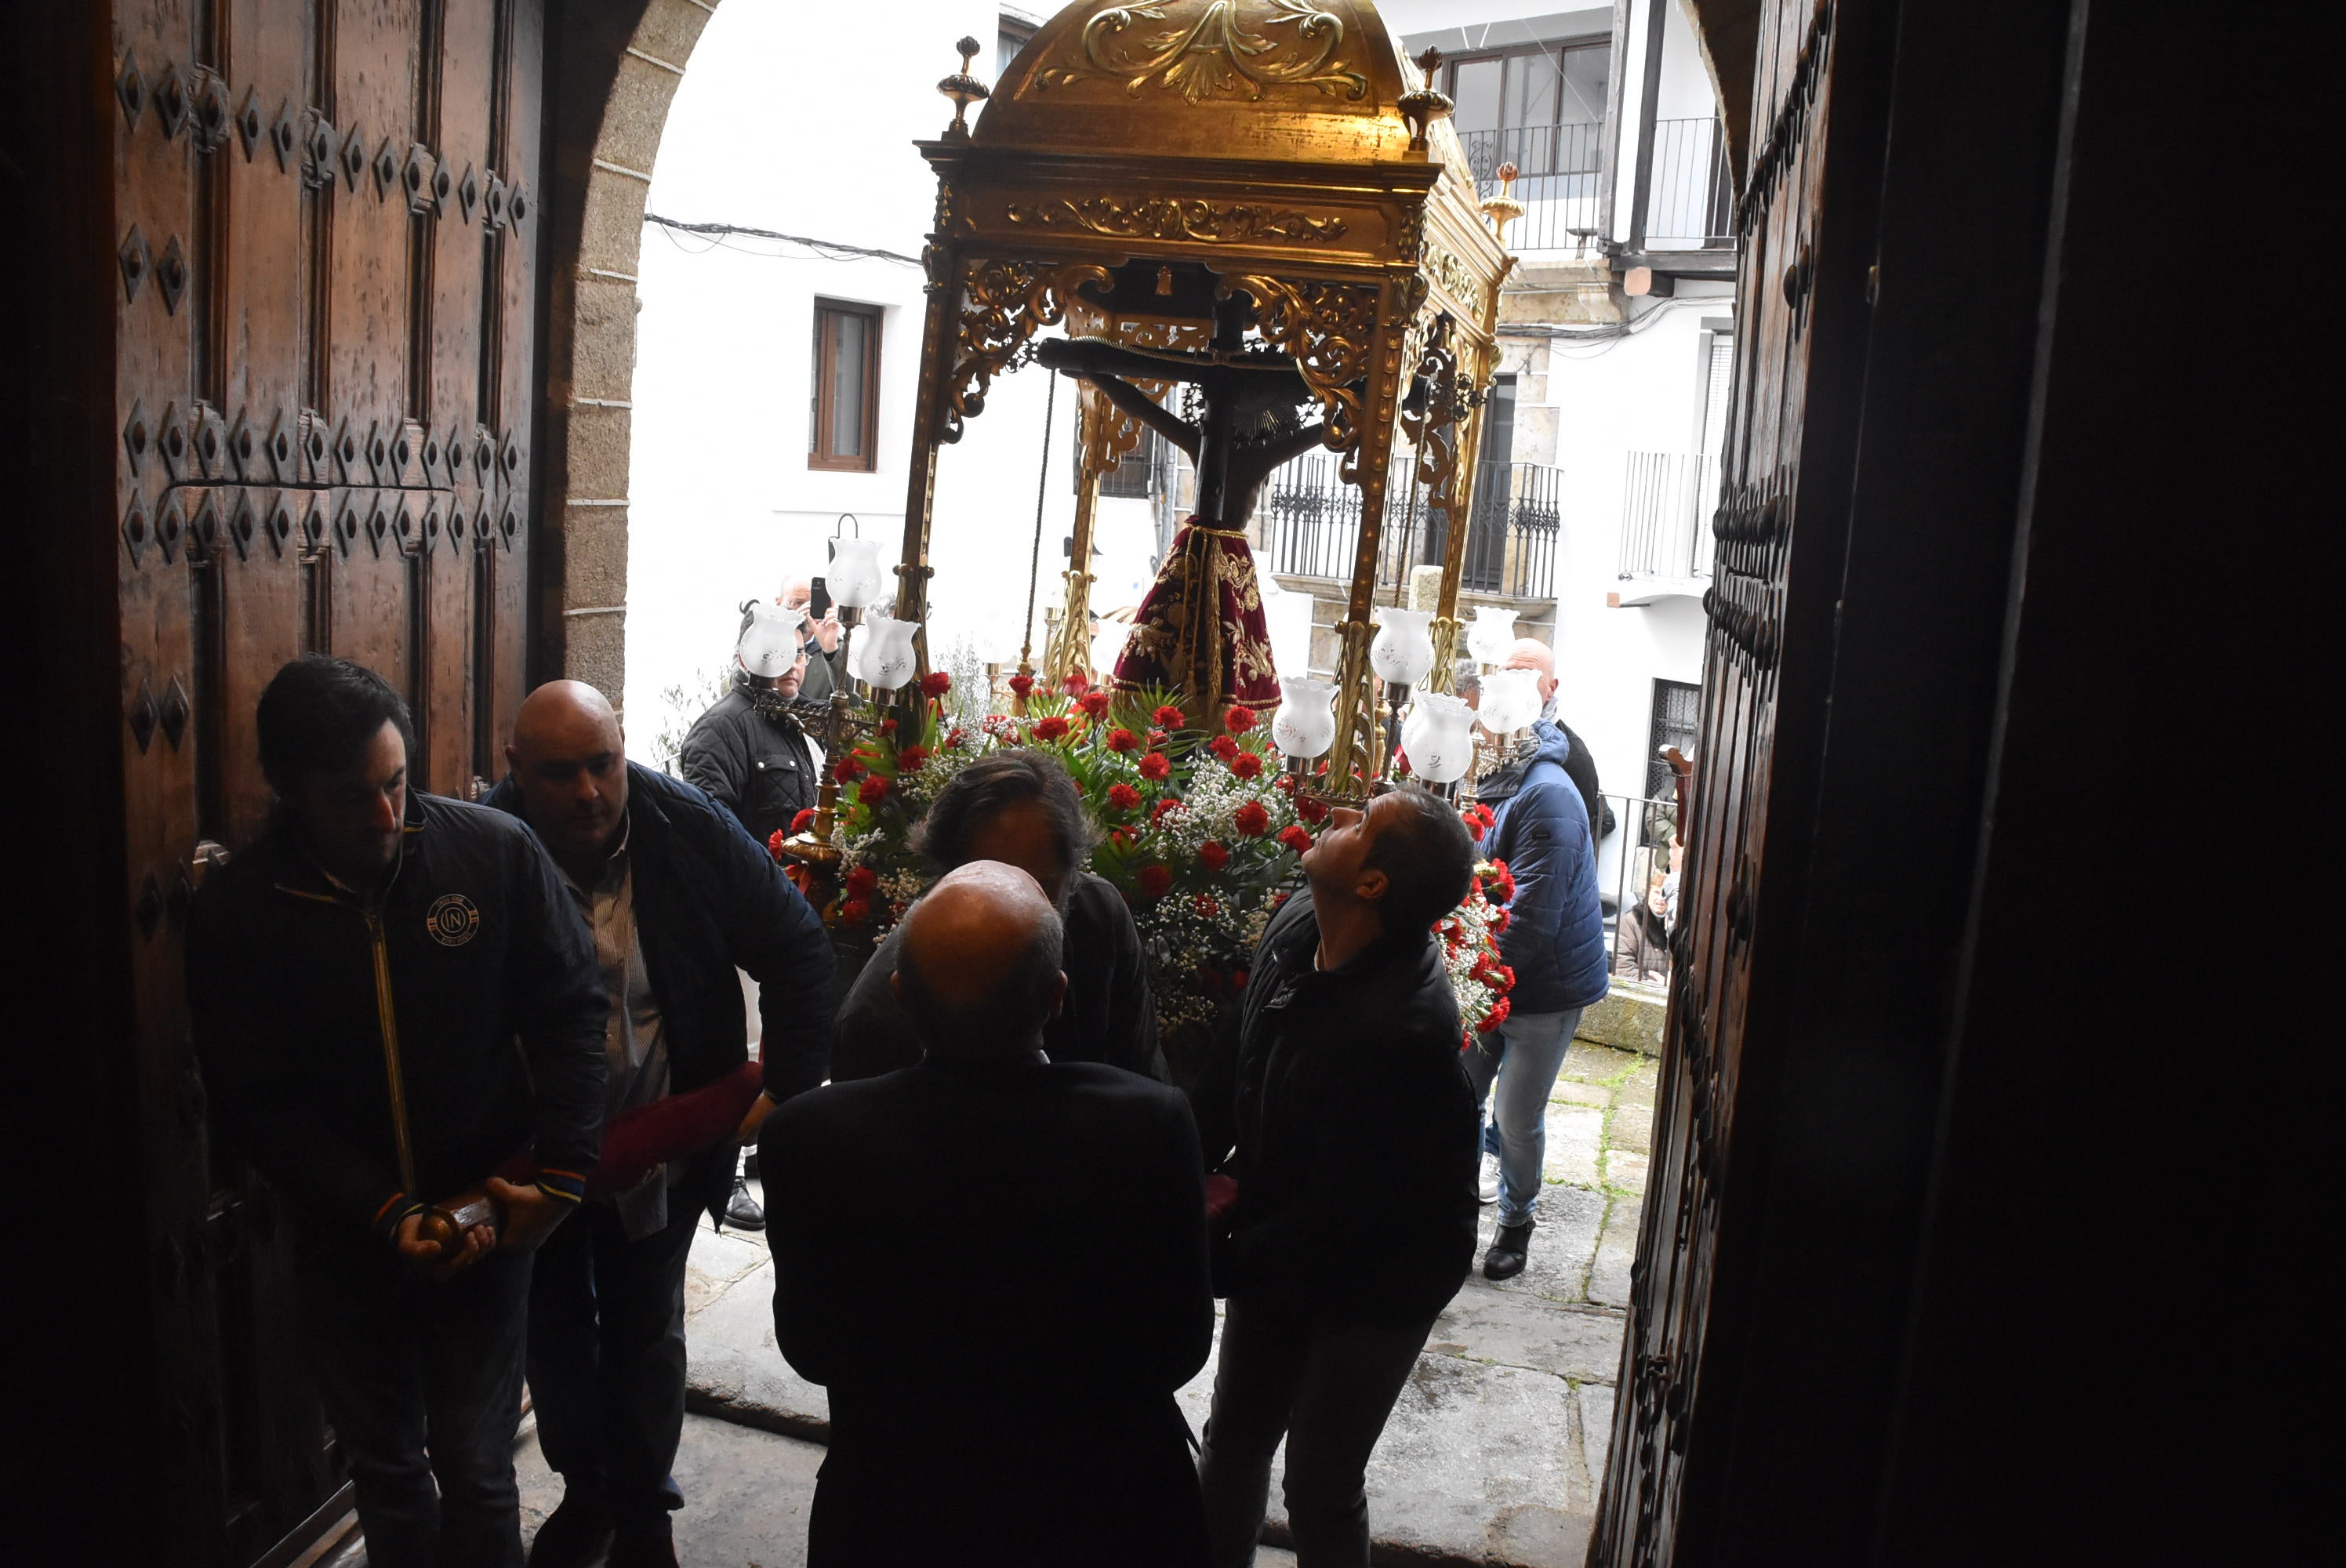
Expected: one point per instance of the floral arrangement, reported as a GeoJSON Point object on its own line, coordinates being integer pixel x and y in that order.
{"type": "Point", "coordinates": [1203, 835]}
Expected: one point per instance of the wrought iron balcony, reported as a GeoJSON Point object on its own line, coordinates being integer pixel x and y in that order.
{"type": "Point", "coordinates": [1309, 521]}
{"type": "Point", "coordinates": [1690, 197]}
{"type": "Point", "coordinates": [1557, 172]}
{"type": "Point", "coordinates": [1667, 500]}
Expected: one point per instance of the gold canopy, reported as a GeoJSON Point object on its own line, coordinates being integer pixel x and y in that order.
{"type": "Point", "coordinates": [1280, 150]}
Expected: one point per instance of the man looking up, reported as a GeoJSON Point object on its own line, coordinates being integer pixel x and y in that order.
{"type": "Point", "coordinates": [749, 751]}
{"type": "Point", "coordinates": [1020, 808]}
{"type": "Point", "coordinates": [1531, 653]}
{"type": "Point", "coordinates": [356, 981]}
{"type": "Point", "coordinates": [678, 897]}
{"type": "Point", "coordinates": [1010, 1401]}
{"type": "Point", "coordinates": [1355, 1217]}
{"type": "Point", "coordinates": [820, 640]}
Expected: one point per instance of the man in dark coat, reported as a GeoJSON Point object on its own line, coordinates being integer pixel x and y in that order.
{"type": "Point", "coordinates": [1531, 653]}
{"type": "Point", "coordinates": [356, 982]}
{"type": "Point", "coordinates": [1354, 1216]}
{"type": "Point", "coordinates": [749, 751]}
{"type": "Point", "coordinates": [995, 1262]}
{"type": "Point", "coordinates": [1022, 809]}
{"type": "Point", "coordinates": [678, 897]}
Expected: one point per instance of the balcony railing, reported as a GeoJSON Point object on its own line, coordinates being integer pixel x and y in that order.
{"type": "Point", "coordinates": [1309, 521]}
{"type": "Point", "coordinates": [1666, 500]}
{"type": "Point", "coordinates": [1691, 201]}
{"type": "Point", "coordinates": [1556, 177]}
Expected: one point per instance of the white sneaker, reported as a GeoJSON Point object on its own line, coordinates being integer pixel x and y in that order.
{"type": "Point", "coordinates": [1488, 1188]}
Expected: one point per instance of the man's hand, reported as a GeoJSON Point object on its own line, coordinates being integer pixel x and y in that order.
{"type": "Point", "coordinates": [826, 633]}
{"type": "Point", "coordinates": [530, 1214]}
{"type": "Point", "coordinates": [425, 1256]}
{"type": "Point", "coordinates": [760, 1109]}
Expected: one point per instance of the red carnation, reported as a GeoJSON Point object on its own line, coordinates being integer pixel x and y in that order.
{"type": "Point", "coordinates": [1170, 717]}
{"type": "Point", "coordinates": [952, 738]}
{"type": "Point", "coordinates": [1497, 1016]}
{"type": "Point", "coordinates": [1311, 809]}
{"type": "Point", "coordinates": [1296, 837]}
{"type": "Point", "coordinates": [1239, 979]}
{"type": "Point", "coordinates": [1156, 766]}
{"type": "Point", "coordinates": [1164, 808]}
{"type": "Point", "coordinates": [1223, 747]}
{"type": "Point", "coordinates": [1502, 976]}
{"type": "Point", "coordinates": [847, 770]}
{"type": "Point", "coordinates": [1123, 797]}
{"type": "Point", "coordinates": [1212, 856]}
{"type": "Point", "coordinates": [1076, 683]}
{"type": "Point", "coordinates": [1247, 765]}
{"type": "Point", "coordinates": [1238, 720]}
{"type": "Point", "coordinates": [1122, 740]}
{"type": "Point", "coordinates": [855, 911]}
{"type": "Point", "coordinates": [1154, 880]}
{"type": "Point", "coordinates": [887, 726]}
{"type": "Point", "coordinates": [1024, 684]}
{"type": "Point", "coordinates": [1052, 727]}
{"type": "Point", "coordinates": [1155, 738]}
{"type": "Point", "coordinates": [1205, 905]}
{"type": "Point", "coordinates": [799, 823]}
{"type": "Point", "coordinates": [774, 839]}
{"type": "Point", "coordinates": [1095, 703]}
{"type": "Point", "coordinates": [872, 791]}
{"type": "Point", "coordinates": [1251, 819]}
{"type": "Point", "coordinates": [1500, 920]}
{"type": "Point", "coordinates": [910, 759]}
{"type": "Point", "coordinates": [861, 880]}
{"type": "Point", "coordinates": [936, 683]}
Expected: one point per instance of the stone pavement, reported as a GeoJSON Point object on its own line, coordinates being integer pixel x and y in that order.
{"type": "Point", "coordinates": [1493, 1455]}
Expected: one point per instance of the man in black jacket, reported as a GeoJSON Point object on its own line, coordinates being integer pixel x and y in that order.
{"type": "Point", "coordinates": [1013, 1404]}
{"type": "Point", "coordinates": [1020, 808]}
{"type": "Point", "coordinates": [749, 751]}
{"type": "Point", "coordinates": [356, 981]}
{"type": "Point", "coordinates": [1355, 1217]}
{"type": "Point", "coordinates": [676, 896]}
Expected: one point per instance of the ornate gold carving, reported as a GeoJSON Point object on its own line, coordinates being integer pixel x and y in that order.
{"type": "Point", "coordinates": [1452, 273]}
{"type": "Point", "coordinates": [1327, 327]}
{"type": "Point", "coordinates": [1213, 48]}
{"type": "Point", "coordinates": [1163, 217]}
{"type": "Point", "coordinates": [1002, 304]}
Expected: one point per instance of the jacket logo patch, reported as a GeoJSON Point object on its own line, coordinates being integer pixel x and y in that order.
{"type": "Point", "coordinates": [452, 920]}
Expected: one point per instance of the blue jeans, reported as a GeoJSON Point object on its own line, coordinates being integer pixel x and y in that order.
{"type": "Point", "coordinates": [423, 1384]}
{"type": "Point", "coordinates": [1526, 1056]}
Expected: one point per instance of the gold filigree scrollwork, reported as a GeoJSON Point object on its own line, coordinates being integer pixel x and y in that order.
{"type": "Point", "coordinates": [1452, 274]}
{"type": "Point", "coordinates": [1433, 427]}
{"type": "Point", "coordinates": [1328, 328]}
{"type": "Point", "coordinates": [1166, 218]}
{"type": "Point", "coordinates": [1213, 48]}
{"type": "Point", "coordinates": [1002, 305]}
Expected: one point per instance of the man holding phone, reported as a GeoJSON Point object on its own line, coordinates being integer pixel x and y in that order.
{"type": "Point", "coordinates": [811, 597]}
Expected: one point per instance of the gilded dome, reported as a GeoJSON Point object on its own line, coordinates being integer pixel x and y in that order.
{"type": "Point", "coordinates": [1287, 80]}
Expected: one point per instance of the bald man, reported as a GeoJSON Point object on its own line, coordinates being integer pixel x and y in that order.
{"type": "Point", "coordinates": [677, 896]}
{"type": "Point", "coordinates": [821, 677]}
{"type": "Point", "coordinates": [996, 1265]}
{"type": "Point", "coordinates": [1531, 653]}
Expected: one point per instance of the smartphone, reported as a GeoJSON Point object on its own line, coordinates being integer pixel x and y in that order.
{"type": "Point", "coordinates": [818, 600]}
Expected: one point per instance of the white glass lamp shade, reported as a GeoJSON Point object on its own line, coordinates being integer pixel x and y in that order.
{"type": "Point", "coordinates": [1438, 738]}
{"type": "Point", "coordinates": [1492, 634]}
{"type": "Point", "coordinates": [1305, 723]}
{"type": "Point", "coordinates": [1288, 617]}
{"type": "Point", "coordinates": [770, 639]}
{"type": "Point", "coordinates": [1404, 649]}
{"type": "Point", "coordinates": [855, 578]}
{"type": "Point", "coordinates": [1510, 700]}
{"type": "Point", "coordinates": [887, 645]}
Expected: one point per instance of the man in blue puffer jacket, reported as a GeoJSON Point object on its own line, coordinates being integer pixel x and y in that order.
{"type": "Point", "coordinates": [1554, 941]}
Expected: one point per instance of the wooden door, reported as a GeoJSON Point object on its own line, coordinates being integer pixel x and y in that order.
{"type": "Point", "coordinates": [1671, 1298]}
{"type": "Point", "coordinates": [325, 255]}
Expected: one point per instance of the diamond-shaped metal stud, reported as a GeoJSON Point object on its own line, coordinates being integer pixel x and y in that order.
{"type": "Point", "coordinates": [431, 453]}
{"type": "Point", "coordinates": [134, 529]}
{"type": "Point", "coordinates": [250, 123]}
{"type": "Point", "coordinates": [457, 524]}
{"type": "Point", "coordinates": [203, 534]}
{"type": "Point", "coordinates": [171, 273]}
{"type": "Point", "coordinates": [431, 528]}
{"type": "Point", "coordinates": [454, 450]}
{"type": "Point", "coordinates": [174, 714]}
{"type": "Point", "coordinates": [143, 717]}
{"type": "Point", "coordinates": [148, 910]}
{"type": "Point", "coordinates": [213, 115]}
{"type": "Point", "coordinates": [511, 457]}
{"type": "Point", "coordinates": [354, 156]}
{"type": "Point", "coordinates": [314, 527]}
{"type": "Point", "coordinates": [492, 206]}
{"type": "Point", "coordinates": [346, 528]}
{"type": "Point", "coordinates": [171, 523]}
{"type": "Point", "coordinates": [280, 526]}
{"type": "Point", "coordinates": [285, 136]}
{"type": "Point", "coordinates": [403, 525]}
{"type": "Point", "coordinates": [136, 436]}
{"type": "Point", "coordinates": [135, 260]}
{"type": "Point", "coordinates": [509, 526]}
{"type": "Point", "coordinates": [484, 454]}
{"type": "Point", "coordinates": [519, 204]}
{"type": "Point", "coordinates": [346, 452]}
{"type": "Point", "coordinates": [241, 527]}
{"type": "Point", "coordinates": [280, 450]}
{"type": "Point", "coordinates": [313, 448]}
{"type": "Point", "coordinates": [212, 441]}
{"type": "Point", "coordinates": [468, 192]}
{"type": "Point", "coordinates": [444, 185]}
{"type": "Point", "coordinates": [319, 147]}
{"type": "Point", "coordinates": [243, 447]}
{"type": "Point", "coordinates": [378, 455]}
{"type": "Point", "coordinates": [378, 526]}
{"type": "Point", "coordinates": [386, 169]}
{"type": "Point", "coordinates": [415, 179]}
{"type": "Point", "coordinates": [171, 441]}
{"type": "Point", "coordinates": [173, 97]}
{"type": "Point", "coordinates": [130, 88]}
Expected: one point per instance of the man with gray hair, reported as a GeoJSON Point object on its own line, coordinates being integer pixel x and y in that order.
{"type": "Point", "coordinates": [995, 1262]}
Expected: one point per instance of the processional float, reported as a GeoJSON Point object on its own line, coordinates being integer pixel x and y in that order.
{"type": "Point", "coordinates": [1261, 203]}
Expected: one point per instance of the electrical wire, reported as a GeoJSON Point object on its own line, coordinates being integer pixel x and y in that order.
{"type": "Point", "coordinates": [827, 250]}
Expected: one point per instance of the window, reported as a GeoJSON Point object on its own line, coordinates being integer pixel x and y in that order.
{"type": "Point", "coordinates": [1010, 36]}
{"type": "Point", "coordinates": [1719, 377]}
{"type": "Point", "coordinates": [1541, 109]}
{"type": "Point", "coordinates": [1678, 706]}
{"type": "Point", "coordinates": [1134, 477]}
{"type": "Point", "coordinates": [846, 401]}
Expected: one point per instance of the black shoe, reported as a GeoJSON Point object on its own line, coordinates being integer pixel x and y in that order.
{"type": "Point", "coordinates": [653, 1549]}
{"type": "Point", "coordinates": [743, 1213]}
{"type": "Point", "coordinates": [574, 1535]}
{"type": "Point", "coordinates": [1510, 1250]}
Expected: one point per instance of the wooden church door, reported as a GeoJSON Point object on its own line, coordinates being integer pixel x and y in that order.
{"type": "Point", "coordinates": [1671, 1298]}
{"type": "Point", "coordinates": [326, 242]}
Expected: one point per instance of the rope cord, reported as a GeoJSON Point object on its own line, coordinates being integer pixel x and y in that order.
{"type": "Point", "coordinates": [1042, 488]}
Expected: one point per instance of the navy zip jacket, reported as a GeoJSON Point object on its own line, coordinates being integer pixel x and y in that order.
{"type": "Point", "coordinates": [300, 996]}
{"type": "Point", "coordinates": [710, 900]}
{"type": "Point", "coordinates": [1554, 939]}
{"type": "Point", "coordinates": [1354, 1131]}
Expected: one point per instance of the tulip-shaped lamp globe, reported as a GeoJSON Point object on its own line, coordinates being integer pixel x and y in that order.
{"type": "Point", "coordinates": [1305, 723]}
{"type": "Point", "coordinates": [1510, 700]}
{"type": "Point", "coordinates": [1492, 634]}
{"type": "Point", "coordinates": [1438, 738]}
{"type": "Point", "coordinates": [855, 578]}
{"type": "Point", "coordinates": [887, 651]}
{"type": "Point", "coordinates": [1404, 649]}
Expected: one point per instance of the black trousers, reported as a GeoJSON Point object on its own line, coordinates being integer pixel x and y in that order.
{"type": "Point", "coordinates": [423, 1384]}
{"type": "Point", "coordinates": [606, 1359]}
